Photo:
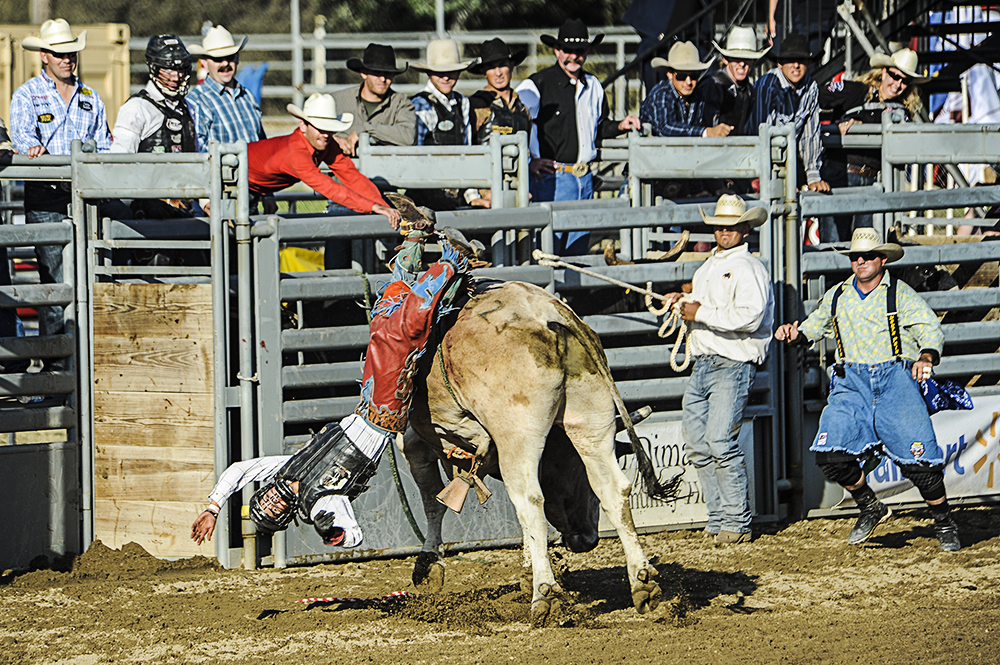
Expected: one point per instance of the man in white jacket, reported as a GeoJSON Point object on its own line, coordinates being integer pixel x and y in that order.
{"type": "Point", "coordinates": [730, 314]}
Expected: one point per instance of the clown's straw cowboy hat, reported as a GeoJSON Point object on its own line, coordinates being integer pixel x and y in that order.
{"type": "Point", "coordinates": [869, 240]}
{"type": "Point", "coordinates": [320, 111]}
{"type": "Point", "coordinates": [682, 57]}
{"type": "Point", "coordinates": [573, 35]}
{"type": "Point", "coordinates": [56, 36]}
{"type": "Point", "coordinates": [741, 45]}
{"type": "Point", "coordinates": [905, 60]}
{"type": "Point", "coordinates": [217, 43]}
{"type": "Point", "coordinates": [494, 52]}
{"type": "Point", "coordinates": [442, 57]}
{"type": "Point", "coordinates": [730, 210]}
{"type": "Point", "coordinates": [377, 59]}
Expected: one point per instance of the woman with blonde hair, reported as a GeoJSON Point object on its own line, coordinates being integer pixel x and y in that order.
{"type": "Point", "coordinates": [890, 84]}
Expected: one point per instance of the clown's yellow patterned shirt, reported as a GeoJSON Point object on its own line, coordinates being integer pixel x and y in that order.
{"type": "Point", "coordinates": [865, 329]}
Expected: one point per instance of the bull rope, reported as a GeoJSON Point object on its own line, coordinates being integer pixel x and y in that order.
{"type": "Point", "coordinates": [672, 311]}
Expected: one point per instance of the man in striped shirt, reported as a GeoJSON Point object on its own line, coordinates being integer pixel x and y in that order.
{"type": "Point", "coordinates": [226, 111]}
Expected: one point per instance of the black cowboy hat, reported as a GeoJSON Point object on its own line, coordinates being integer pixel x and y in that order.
{"type": "Point", "coordinates": [379, 59]}
{"type": "Point", "coordinates": [572, 35]}
{"type": "Point", "coordinates": [495, 51]}
{"type": "Point", "coordinates": [793, 47]}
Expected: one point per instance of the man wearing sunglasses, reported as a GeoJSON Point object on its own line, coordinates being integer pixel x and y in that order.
{"type": "Point", "coordinates": [226, 111]}
{"type": "Point", "coordinates": [48, 113]}
{"type": "Point", "coordinates": [672, 107]}
{"type": "Point", "coordinates": [887, 339]}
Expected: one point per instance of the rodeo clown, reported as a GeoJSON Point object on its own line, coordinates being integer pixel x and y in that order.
{"type": "Point", "coordinates": [887, 339]}
{"type": "Point", "coordinates": [317, 483]}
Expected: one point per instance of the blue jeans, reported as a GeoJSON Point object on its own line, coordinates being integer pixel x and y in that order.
{"type": "Point", "coordinates": [562, 186]}
{"type": "Point", "coordinates": [50, 271]}
{"type": "Point", "coordinates": [874, 405]}
{"type": "Point", "coordinates": [713, 412]}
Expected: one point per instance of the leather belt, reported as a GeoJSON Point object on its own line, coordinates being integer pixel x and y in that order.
{"type": "Point", "coordinates": [579, 169]}
{"type": "Point", "coordinates": [863, 171]}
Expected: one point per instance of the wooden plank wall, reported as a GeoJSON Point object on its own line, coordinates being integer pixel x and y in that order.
{"type": "Point", "coordinates": [153, 414]}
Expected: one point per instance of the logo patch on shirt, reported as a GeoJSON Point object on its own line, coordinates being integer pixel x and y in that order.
{"type": "Point", "coordinates": [46, 117]}
{"type": "Point", "coordinates": [86, 106]}
{"type": "Point", "coordinates": [821, 439]}
{"type": "Point", "coordinates": [917, 449]}
{"type": "Point", "coordinates": [86, 91]}
{"type": "Point", "coordinates": [173, 124]}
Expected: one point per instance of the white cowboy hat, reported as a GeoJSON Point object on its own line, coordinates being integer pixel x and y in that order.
{"type": "Point", "coordinates": [682, 57]}
{"type": "Point", "coordinates": [57, 37]}
{"type": "Point", "coordinates": [869, 240]}
{"type": "Point", "coordinates": [442, 56]}
{"type": "Point", "coordinates": [905, 60]}
{"type": "Point", "coordinates": [320, 111]}
{"type": "Point", "coordinates": [730, 210]}
{"type": "Point", "coordinates": [741, 45]}
{"type": "Point", "coordinates": [217, 43]}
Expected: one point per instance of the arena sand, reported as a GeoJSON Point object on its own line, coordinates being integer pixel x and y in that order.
{"type": "Point", "coordinates": [797, 594]}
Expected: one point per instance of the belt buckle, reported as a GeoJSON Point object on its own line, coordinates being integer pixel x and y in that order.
{"type": "Point", "coordinates": [580, 169]}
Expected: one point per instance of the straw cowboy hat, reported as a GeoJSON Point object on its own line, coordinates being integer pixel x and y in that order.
{"type": "Point", "coordinates": [320, 111]}
{"type": "Point", "coordinates": [869, 240]}
{"type": "Point", "coordinates": [741, 45]}
{"type": "Point", "coordinates": [56, 37]}
{"type": "Point", "coordinates": [377, 59]}
{"type": "Point", "coordinates": [730, 210]}
{"type": "Point", "coordinates": [905, 60]}
{"type": "Point", "coordinates": [442, 56]}
{"type": "Point", "coordinates": [217, 43]}
{"type": "Point", "coordinates": [495, 51]}
{"type": "Point", "coordinates": [682, 57]}
{"type": "Point", "coordinates": [573, 35]}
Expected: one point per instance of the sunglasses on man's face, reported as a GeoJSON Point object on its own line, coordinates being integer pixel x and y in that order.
{"type": "Point", "coordinates": [62, 56]}
{"type": "Point", "coordinates": [867, 256]}
{"type": "Point", "coordinates": [902, 78]}
{"type": "Point", "coordinates": [685, 76]}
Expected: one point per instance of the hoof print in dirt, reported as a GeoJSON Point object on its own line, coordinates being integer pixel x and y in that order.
{"type": "Point", "coordinates": [646, 596]}
{"type": "Point", "coordinates": [546, 611]}
{"type": "Point", "coordinates": [428, 571]}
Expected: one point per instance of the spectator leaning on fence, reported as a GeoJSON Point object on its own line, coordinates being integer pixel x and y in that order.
{"type": "Point", "coordinates": [728, 92]}
{"type": "Point", "coordinates": [672, 107]}
{"type": "Point", "coordinates": [569, 118]}
{"type": "Point", "coordinates": [226, 111]}
{"type": "Point", "coordinates": [887, 339]}
{"type": "Point", "coordinates": [788, 95]}
{"type": "Point", "coordinates": [381, 112]}
{"type": "Point", "coordinates": [442, 113]}
{"type": "Point", "coordinates": [48, 113]}
{"type": "Point", "coordinates": [890, 84]}
{"type": "Point", "coordinates": [282, 161]}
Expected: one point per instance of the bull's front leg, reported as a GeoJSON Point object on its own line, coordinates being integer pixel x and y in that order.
{"type": "Point", "coordinates": [428, 572]}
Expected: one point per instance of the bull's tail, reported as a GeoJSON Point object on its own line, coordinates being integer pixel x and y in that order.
{"type": "Point", "coordinates": [663, 491]}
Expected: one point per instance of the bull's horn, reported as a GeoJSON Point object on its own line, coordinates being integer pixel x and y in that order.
{"type": "Point", "coordinates": [453, 495]}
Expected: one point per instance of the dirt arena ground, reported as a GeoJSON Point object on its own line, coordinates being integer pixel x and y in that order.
{"type": "Point", "coordinates": [798, 594]}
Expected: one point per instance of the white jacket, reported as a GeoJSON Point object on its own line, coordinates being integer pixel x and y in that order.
{"type": "Point", "coordinates": [737, 307]}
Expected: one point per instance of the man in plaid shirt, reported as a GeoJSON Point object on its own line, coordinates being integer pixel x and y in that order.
{"type": "Point", "coordinates": [48, 113]}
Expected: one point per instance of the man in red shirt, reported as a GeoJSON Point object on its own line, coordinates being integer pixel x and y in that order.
{"type": "Point", "coordinates": [285, 160]}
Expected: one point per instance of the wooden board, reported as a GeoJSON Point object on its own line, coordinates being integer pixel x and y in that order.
{"type": "Point", "coordinates": [153, 414]}
{"type": "Point", "coordinates": [184, 420]}
{"type": "Point", "coordinates": [163, 528]}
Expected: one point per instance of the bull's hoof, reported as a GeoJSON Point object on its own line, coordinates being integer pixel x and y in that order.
{"type": "Point", "coordinates": [428, 571]}
{"type": "Point", "coordinates": [646, 596]}
{"type": "Point", "coordinates": [546, 610]}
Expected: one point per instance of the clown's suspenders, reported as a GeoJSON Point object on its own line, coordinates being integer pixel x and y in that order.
{"type": "Point", "coordinates": [891, 314]}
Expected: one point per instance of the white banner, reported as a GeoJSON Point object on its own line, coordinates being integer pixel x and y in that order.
{"type": "Point", "coordinates": [662, 438]}
{"type": "Point", "coordinates": [970, 442]}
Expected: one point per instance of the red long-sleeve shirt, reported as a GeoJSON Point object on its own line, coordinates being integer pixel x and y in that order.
{"type": "Point", "coordinates": [285, 160]}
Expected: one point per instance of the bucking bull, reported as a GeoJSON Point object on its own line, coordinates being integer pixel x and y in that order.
{"type": "Point", "coordinates": [524, 385]}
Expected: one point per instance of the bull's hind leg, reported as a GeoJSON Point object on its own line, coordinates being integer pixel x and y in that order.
{"type": "Point", "coordinates": [428, 571]}
{"type": "Point", "coordinates": [520, 451]}
{"type": "Point", "coordinates": [591, 429]}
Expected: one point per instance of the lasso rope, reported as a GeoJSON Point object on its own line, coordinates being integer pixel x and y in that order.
{"type": "Point", "coordinates": [672, 311]}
